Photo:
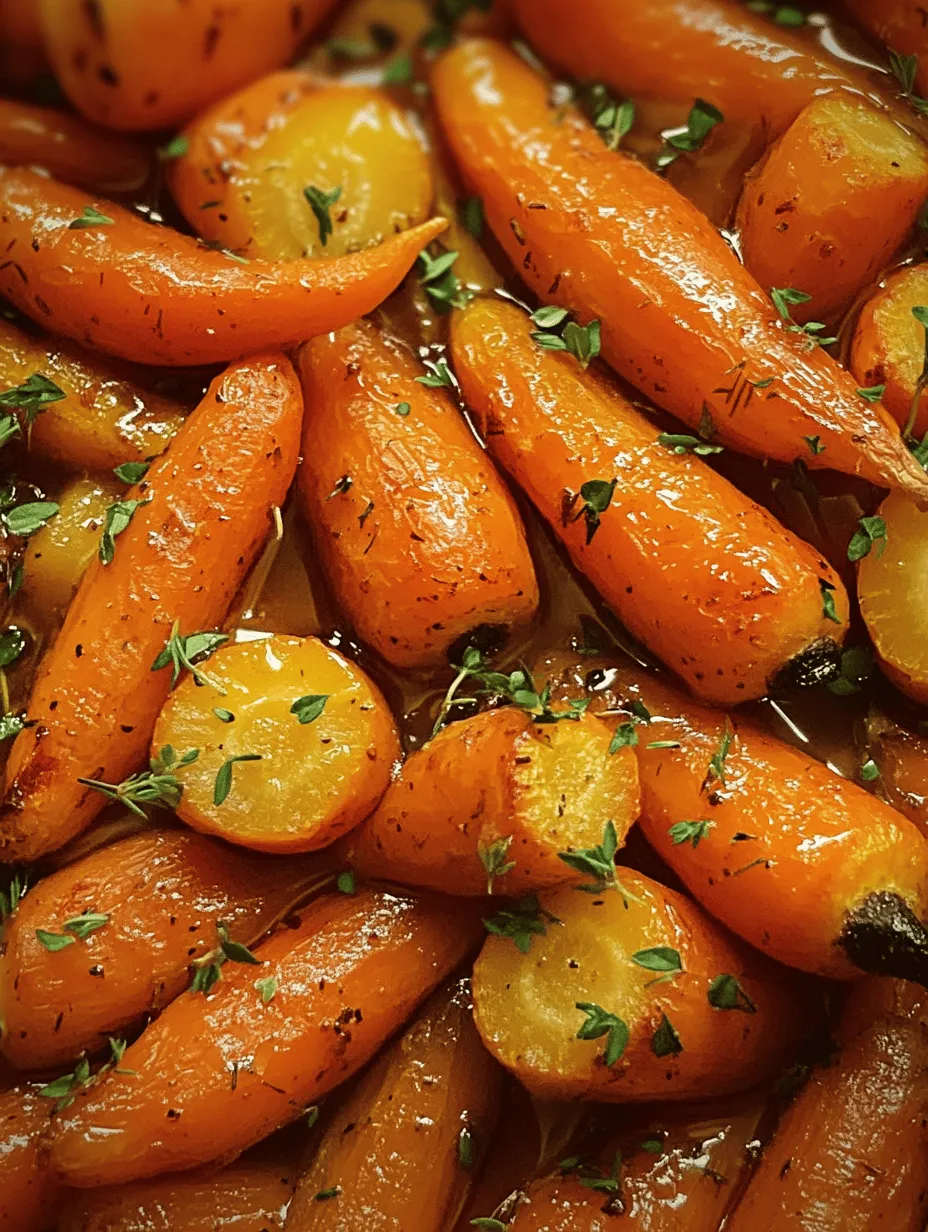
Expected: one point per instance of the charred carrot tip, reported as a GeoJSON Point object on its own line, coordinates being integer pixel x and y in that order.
{"type": "Point", "coordinates": [883, 937]}
{"type": "Point", "coordinates": [819, 662]}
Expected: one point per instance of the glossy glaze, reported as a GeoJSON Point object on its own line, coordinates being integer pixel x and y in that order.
{"type": "Point", "coordinates": [28, 1191]}
{"type": "Point", "coordinates": [888, 343]}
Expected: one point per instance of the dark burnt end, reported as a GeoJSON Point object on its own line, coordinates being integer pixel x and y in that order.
{"type": "Point", "coordinates": [488, 639]}
{"type": "Point", "coordinates": [818, 663]}
{"type": "Point", "coordinates": [884, 937]}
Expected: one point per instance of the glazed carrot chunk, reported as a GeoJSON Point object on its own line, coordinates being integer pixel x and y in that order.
{"type": "Point", "coordinates": [257, 162]}
{"type": "Point", "coordinates": [169, 299]}
{"type": "Point", "coordinates": [898, 24]}
{"type": "Point", "coordinates": [403, 1148]}
{"type": "Point", "coordinates": [585, 1014]}
{"type": "Point", "coordinates": [202, 516]}
{"type": "Point", "coordinates": [695, 571]}
{"type": "Point", "coordinates": [502, 783]}
{"type": "Point", "coordinates": [295, 744]}
{"type": "Point", "coordinates": [888, 347]}
{"type": "Point", "coordinates": [97, 945]}
{"type": "Point", "coordinates": [417, 533]}
{"type": "Point", "coordinates": [28, 1190]}
{"type": "Point", "coordinates": [681, 319]}
{"type": "Point", "coordinates": [217, 1072]}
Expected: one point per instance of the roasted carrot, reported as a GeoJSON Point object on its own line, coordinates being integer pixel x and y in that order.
{"type": "Point", "coordinates": [130, 65]}
{"type": "Point", "coordinates": [242, 181]}
{"type": "Point", "coordinates": [597, 232]}
{"type": "Point", "coordinates": [101, 420]}
{"type": "Point", "coordinates": [807, 866]}
{"type": "Point", "coordinates": [751, 69]}
{"type": "Point", "coordinates": [524, 786]}
{"type": "Point", "coordinates": [402, 1150]}
{"type": "Point", "coordinates": [832, 203]}
{"type": "Point", "coordinates": [95, 946]}
{"type": "Point", "coordinates": [852, 1150]}
{"type": "Point", "coordinates": [332, 989]}
{"type": "Point", "coordinates": [419, 537]}
{"type": "Point", "coordinates": [181, 559]}
{"type": "Point", "coordinates": [888, 346]}
{"type": "Point", "coordinates": [22, 54]}
{"type": "Point", "coordinates": [159, 297]}
{"type": "Point", "coordinates": [898, 24]}
{"type": "Point", "coordinates": [634, 993]}
{"type": "Point", "coordinates": [321, 736]}
{"type": "Point", "coordinates": [28, 1190]}
{"type": "Point", "coordinates": [901, 757]}
{"type": "Point", "coordinates": [672, 1171]}
{"type": "Point", "coordinates": [248, 1197]}
{"type": "Point", "coordinates": [702, 576]}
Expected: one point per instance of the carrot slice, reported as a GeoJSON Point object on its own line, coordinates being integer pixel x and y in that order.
{"type": "Point", "coordinates": [804, 864]}
{"type": "Point", "coordinates": [151, 294]}
{"type": "Point", "coordinates": [682, 319]}
{"type": "Point", "coordinates": [151, 904]}
{"type": "Point", "coordinates": [693, 569]}
{"type": "Point", "coordinates": [28, 1190]}
{"type": "Point", "coordinates": [182, 558]}
{"type": "Point", "coordinates": [217, 1072]}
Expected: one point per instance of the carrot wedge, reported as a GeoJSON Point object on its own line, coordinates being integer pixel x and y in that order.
{"type": "Point", "coordinates": [805, 865]}
{"type": "Point", "coordinates": [341, 981]}
{"type": "Point", "coordinates": [153, 295]}
{"type": "Point", "coordinates": [151, 904]}
{"type": "Point", "coordinates": [655, 552]}
{"type": "Point", "coordinates": [28, 1190]}
{"type": "Point", "coordinates": [182, 557]}
{"type": "Point", "coordinates": [598, 233]}
{"type": "Point", "coordinates": [851, 1152]}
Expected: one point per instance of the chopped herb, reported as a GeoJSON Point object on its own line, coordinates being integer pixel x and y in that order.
{"type": "Point", "coordinates": [873, 393]}
{"type": "Point", "coordinates": [350, 49]}
{"type": "Point", "coordinates": [25, 520]}
{"type": "Point", "coordinates": [660, 958]}
{"type": "Point", "coordinates": [920, 313]}
{"type": "Point", "coordinates": [183, 652]}
{"type": "Point", "coordinates": [131, 472]}
{"type": "Point", "coordinates": [158, 785]}
{"type": "Point", "coordinates": [12, 645]}
{"type": "Point", "coordinates": [596, 862]}
{"type": "Point", "coordinates": [441, 283]}
{"type": "Point", "coordinates": [581, 341]}
{"type": "Point", "coordinates": [9, 427]}
{"type": "Point", "coordinates": [54, 941]}
{"type": "Point", "coordinates": [466, 1148]}
{"type": "Point", "coordinates": [63, 1089]}
{"type": "Point", "coordinates": [493, 858]}
{"type": "Point", "coordinates": [600, 1022]}
{"type": "Point", "coordinates": [856, 667]}
{"type": "Point", "coordinates": [703, 117]}
{"type": "Point", "coordinates": [267, 987]}
{"type": "Point", "coordinates": [402, 408]}
{"type": "Point", "coordinates": [90, 217]}
{"type": "Point", "coordinates": [872, 534]}
{"type": "Point", "coordinates": [321, 202]}
{"type": "Point", "coordinates": [869, 771]}
{"type": "Point", "coordinates": [177, 147]}
{"type": "Point", "coordinates": [596, 495]}
{"type": "Point", "coordinates": [223, 715]}
{"type": "Point", "coordinates": [905, 70]}
{"type": "Point", "coordinates": [783, 299]}
{"type": "Point", "coordinates": [653, 1146]}
{"type": "Point", "coordinates": [549, 316]}
{"type": "Point", "coordinates": [725, 993]}
{"type": "Point", "coordinates": [399, 71]}
{"type": "Point", "coordinates": [83, 925]}
{"type": "Point", "coordinates": [717, 761]}
{"type": "Point", "coordinates": [828, 603]}
{"type": "Point", "coordinates": [325, 1194]}
{"type": "Point", "coordinates": [439, 375]}
{"type": "Point", "coordinates": [308, 708]}
{"type": "Point", "coordinates": [345, 882]}
{"type": "Point", "coordinates": [689, 832]}
{"type": "Point", "coordinates": [525, 919]}
{"type": "Point", "coordinates": [11, 896]}
{"type": "Point", "coordinates": [489, 1225]}
{"type": "Point", "coordinates": [312, 1115]}
{"type": "Point", "coordinates": [223, 784]}
{"type": "Point", "coordinates": [682, 443]}
{"type": "Point", "coordinates": [614, 121]}
{"type": "Point", "coordinates": [118, 517]}
{"type": "Point", "coordinates": [470, 212]}
{"type": "Point", "coordinates": [815, 445]}
{"type": "Point", "coordinates": [234, 951]}
{"type": "Point", "coordinates": [625, 736]}
{"type": "Point", "coordinates": [665, 1042]}
{"type": "Point", "coordinates": [11, 725]}
{"type": "Point", "coordinates": [34, 394]}
{"type": "Point", "coordinates": [663, 744]}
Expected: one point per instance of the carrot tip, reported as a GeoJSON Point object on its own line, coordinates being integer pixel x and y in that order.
{"type": "Point", "coordinates": [882, 936]}
{"type": "Point", "coordinates": [819, 662]}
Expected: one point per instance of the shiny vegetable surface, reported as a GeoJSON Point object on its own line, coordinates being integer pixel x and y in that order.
{"type": "Point", "coordinates": [28, 1190]}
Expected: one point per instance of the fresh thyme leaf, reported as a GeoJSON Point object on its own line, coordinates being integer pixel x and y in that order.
{"type": "Point", "coordinates": [307, 709]}
{"type": "Point", "coordinates": [703, 117]}
{"type": "Point", "coordinates": [81, 926]}
{"type": "Point", "coordinates": [54, 941]}
{"type": "Point", "coordinates": [12, 645]}
{"type": "Point", "coordinates": [25, 520]}
{"type": "Point", "coordinates": [399, 71]}
{"type": "Point", "coordinates": [11, 896]}
{"type": "Point", "coordinates": [783, 299]}
{"type": "Point", "coordinates": [660, 958]}
{"type": "Point", "coordinates": [725, 993]}
{"type": "Point", "coordinates": [717, 761]}
{"type": "Point", "coordinates": [872, 393]}
{"type": "Point", "coordinates": [183, 652]}
{"type": "Point", "coordinates": [489, 1225]}
{"type": "Point", "coordinates": [856, 668]}
{"type": "Point", "coordinates": [596, 862]}
{"type": "Point", "coordinates": [689, 832]}
{"type": "Point", "coordinates": [63, 1089]}
{"type": "Point", "coordinates": [11, 725]}
{"type": "Point", "coordinates": [470, 212]}
{"type": "Point", "coordinates": [131, 472]}
{"type": "Point", "coordinates": [345, 882]}
{"type": "Point", "coordinates": [581, 341]}
{"type": "Point", "coordinates": [596, 495]}
{"type": "Point", "coordinates": [682, 443]}
{"type": "Point", "coordinates": [869, 771]}
{"type": "Point", "coordinates": [324, 1195]}
{"type": "Point", "coordinates": [223, 784]}
{"type": "Point", "coordinates": [526, 918]}
{"type": "Point", "coordinates": [466, 1148]}
{"type": "Point", "coordinates": [665, 1042]}
{"type": "Point", "coordinates": [177, 147]}
{"type": "Point", "coordinates": [206, 977]}
{"type": "Point", "coordinates": [350, 49]}
{"type": "Point", "coordinates": [828, 603]}
{"type": "Point", "coordinates": [493, 858]}
{"type": "Point", "coordinates": [815, 445]}
{"type": "Point", "coordinates": [312, 1115]}
{"type": "Point", "coordinates": [872, 535]}
{"type": "Point", "coordinates": [267, 987]}
{"type": "Point", "coordinates": [223, 715]}
{"type": "Point", "coordinates": [117, 518]}
{"type": "Point", "coordinates": [600, 1022]}
{"type": "Point", "coordinates": [904, 69]}
{"type": "Point", "coordinates": [321, 202]}
{"type": "Point", "coordinates": [439, 375]}
{"type": "Point", "coordinates": [90, 217]}
{"type": "Point", "coordinates": [402, 408]}
{"type": "Point", "coordinates": [625, 736]}
{"type": "Point", "coordinates": [614, 120]}
{"type": "Point", "coordinates": [33, 395]}
{"type": "Point", "coordinates": [549, 317]}
{"type": "Point", "coordinates": [234, 951]}
{"type": "Point", "coordinates": [441, 283]}
{"type": "Point", "coordinates": [920, 313]}
{"type": "Point", "coordinates": [158, 785]}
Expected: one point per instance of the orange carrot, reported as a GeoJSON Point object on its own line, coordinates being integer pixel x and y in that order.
{"type": "Point", "coordinates": [888, 345]}
{"type": "Point", "coordinates": [28, 1191]}
{"type": "Point", "coordinates": [420, 539]}
{"type": "Point", "coordinates": [703, 577]}
{"type": "Point", "coordinates": [159, 297]}
{"type": "Point", "coordinates": [804, 864]}
{"type": "Point", "coordinates": [217, 1072]}
{"type": "Point", "coordinates": [901, 756]}
{"type": "Point", "coordinates": [182, 557]}
{"type": "Point", "coordinates": [598, 232]}
{"type": "Point", "coordinates": [898, 24]}
{"type": "Point", "coordinates": [150, 905]}
{"type": "Point", "coordinates": [852, 1150]}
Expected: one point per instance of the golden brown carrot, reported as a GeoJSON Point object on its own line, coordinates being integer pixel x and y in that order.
{"type": "Point", "coordinates": [498, 779]}
{"type": "Point", "coordinates": [217, 1072]}
{"type": "Point", "coordinates": [807, 866]}
{"type": "Point", "coordinates": [417, 533]}
{"type": "Point", "coordinates": [599, 233]}
{"type": "Point", "coordinates": [898, 24]}
{"type": "Point", "coordinates": [402, 1150]}
{"type": "Point", "coordinates": [888, 346]}
{"type": "Point", "coordinates": [750, 68]}
{"type": "Point", "coordinates": [154, 295]}
{"type": "Point", "coordinates": [153, 902]}
{"type": "Point", "coordinates": [832, 203]}
{"type": "Point", "coordinates": [703, 577]}
{"type": "Point", "coordinates": [132, 65]}
{"type": "Point", "coordinates": [852, 1150]}
{"type": "Point", "coordinates": [634, 993]}
{"type": "Point", "coordinates": [242, 180]}
{"type": "Point", "coordinates": [185, 552]}
{"type": "Point", "coordinates": [901, 757]}
{"type": "Point", "coordinates": [249, 1197]}
{"type": "Point", "coordinates": [28, 1190]}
